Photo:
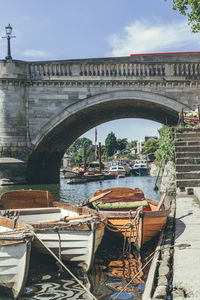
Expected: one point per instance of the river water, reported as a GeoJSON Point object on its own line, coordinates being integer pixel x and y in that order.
{"type": "Point", "coordinates": [112, 269]}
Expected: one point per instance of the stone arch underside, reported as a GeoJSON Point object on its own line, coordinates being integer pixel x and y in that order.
{"type": "Point", "coordinates": [60, 132]}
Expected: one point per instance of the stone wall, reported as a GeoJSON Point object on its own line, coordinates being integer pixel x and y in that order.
{"type": "Point", "coordinates": [45, 106]}
{"type": "Point", "coordinates": [168, 181]}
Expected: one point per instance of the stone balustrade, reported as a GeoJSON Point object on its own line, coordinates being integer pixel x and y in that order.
{"type": "Point", "coordinates": [147, 70]}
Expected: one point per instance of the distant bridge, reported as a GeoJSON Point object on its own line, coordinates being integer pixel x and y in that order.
{"type": "Point", "coordinates": [46, 105]}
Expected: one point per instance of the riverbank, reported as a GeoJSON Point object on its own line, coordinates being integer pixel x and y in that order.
{"type": "Point", "coordinates": [174, 272]}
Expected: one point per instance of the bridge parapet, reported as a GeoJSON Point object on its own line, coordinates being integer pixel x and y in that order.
{"type": "Point", "coordinates": [130, 67]}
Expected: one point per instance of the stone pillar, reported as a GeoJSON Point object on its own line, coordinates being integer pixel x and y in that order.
{"type": "Point", "coordinates": [13, 116]}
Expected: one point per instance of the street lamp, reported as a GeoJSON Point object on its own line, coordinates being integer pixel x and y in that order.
{"type": "Point", "coordinates": [8, 37]}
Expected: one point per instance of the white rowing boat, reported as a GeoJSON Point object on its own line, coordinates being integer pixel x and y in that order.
{"type": "Point", "coordinates": [72, 233]}
{"type": "Point", "coordinates": [15, 246]}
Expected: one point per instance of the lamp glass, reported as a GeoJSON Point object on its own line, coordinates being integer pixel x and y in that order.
{"type": "Point", "coordinates": [8, 29]}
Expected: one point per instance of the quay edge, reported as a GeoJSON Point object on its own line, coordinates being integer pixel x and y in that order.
{"type": "Point", "coordinates": [175, 269]}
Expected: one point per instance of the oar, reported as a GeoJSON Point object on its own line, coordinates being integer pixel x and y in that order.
{"type": "Point", "coordinates": [161, 201]}
{"type": "Point", "coordinates": [66, 219]}
{"type": "Point", "coordinates": [94, 198]}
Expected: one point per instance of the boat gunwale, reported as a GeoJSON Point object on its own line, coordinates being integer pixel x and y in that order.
{"type": "Point", "coordinates": [124, 214]}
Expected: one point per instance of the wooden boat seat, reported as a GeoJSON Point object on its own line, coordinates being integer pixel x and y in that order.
{"type": "Point", "coordinates": [26, 199]}
{"type": "Point", "coordinates": [133, 194]}
{"type": "Point", "coordinates": [35, 211]}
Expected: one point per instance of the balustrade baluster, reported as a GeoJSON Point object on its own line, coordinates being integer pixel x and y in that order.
{"type": "Point", "coordinates": [95, 70]}
{"type": "Point", "coordinates": [45, 70]}
{"type": "Point", "coordinates": [195, 69]}
{"type": "Point", "coordinates": [186, 69]}
{"type": "Point", "coordinates": [198, 69]}
{"type": "Point", "coordinates": [147, 70]}
{"type": "Point", "coordinates": [58, 70]}
{"type": "Point", "coordinates": [50, 69]}
{"type": "Point", "coordinates": [87, 70]}
{"type": "Point", "coordinates": [81, 69]}
{"type": "Point", "coordinates": [117, 69]}
{"type": "Point", "coordinates": [31, 70]}
{"type": "Point", "coordinates": [100, 70]}
{"type": "Point", "coordinates": [125, 70]}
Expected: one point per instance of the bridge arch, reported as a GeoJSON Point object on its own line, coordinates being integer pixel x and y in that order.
{"type": "Point", "coordinates": [59, 133]}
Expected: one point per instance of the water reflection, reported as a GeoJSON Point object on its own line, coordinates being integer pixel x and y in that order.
{"type": "Point", "coordinates": [112, 269]}
{"type": "Point", "coordinates": [111, 273]}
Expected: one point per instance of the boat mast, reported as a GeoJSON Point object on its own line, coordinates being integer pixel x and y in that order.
{"type": "Point", "coordinates": [85, 160]}
{"type": "Point", "coordinates": [99, 157]}
{"type": "Point", "coordinates": [95, 141]}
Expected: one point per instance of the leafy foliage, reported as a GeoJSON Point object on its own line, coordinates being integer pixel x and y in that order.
{"type": "Point", "coordinates": [191, 9]}
{"type": "Point", "coordinates": [121, 144]}
{"type": "Point", "coordinates": [150, 147]}
{"type": "Point", "coordinates": [79, 144]}
{"type": "Point", "coordinates": [166, 150]}
{"type": "Point", "coordinates": [110, 144]}
{"type": "Point", "coordinates": [131, 145]}
{"type": "Point", "coordinates": [77, 151]}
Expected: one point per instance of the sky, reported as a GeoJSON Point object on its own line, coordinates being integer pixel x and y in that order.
{"type": "Point", "coordinates": [74, 29]}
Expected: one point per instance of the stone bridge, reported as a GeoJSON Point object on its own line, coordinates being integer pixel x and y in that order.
{"type": "Point", "coordinates": [46, 105]}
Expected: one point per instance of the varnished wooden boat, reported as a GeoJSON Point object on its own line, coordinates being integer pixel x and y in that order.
{"type": "Point", "coordinates": [15, 247]}
{"type": "Point", "coordinates": [131, 215]}
{"type": "Point", "coordinates": [72, 233]}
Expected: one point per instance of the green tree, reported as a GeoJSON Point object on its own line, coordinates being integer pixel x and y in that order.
{"type": "Point", "coordinates": [190, 9]}
{"type": "Point", "coordinates": [150, 147]}
{"type": "Point", "coordinates": [166, 150]}
{"type": "Point", "coordinates": [79, 144]}
{"type": "Point", "coordinates": [131, 145]}
{"type": "Point", "coordinates": [78, 157]}
{"type": "Point", "coordinates": [121, 144]}
{"type": "Point", "coordinates": [110, 144]}
{"type": "Point", "coordinates": [77, 151]}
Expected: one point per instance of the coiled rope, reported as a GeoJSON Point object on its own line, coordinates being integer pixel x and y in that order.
{"type": "Point", "coordinates": [130, 227]}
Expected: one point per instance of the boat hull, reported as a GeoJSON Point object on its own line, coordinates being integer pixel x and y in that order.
{"type": "Point", "coordinates": [130, 215]}
{"type": "Point", "coordinates": [15, 248]}
{"type": "Point", "coordinates": [71, 232]}
{"type": "Point", "coordinates": [14, 266]}
{"type": "Point", "coordinates": [76, 246]}
{"type": "Point", "coordinates": [141, 233]}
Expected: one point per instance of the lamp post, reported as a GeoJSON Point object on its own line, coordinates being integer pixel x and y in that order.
{"type": "Point", "coordinates": [8, 37]}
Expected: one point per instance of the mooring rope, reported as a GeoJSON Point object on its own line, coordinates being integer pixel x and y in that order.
{"type": "Point", "coordinates": [132, 278]}
{"type": "Point", "coordinates": [149, 259]}
{"type": "Point", "coordinates": [128, 227]}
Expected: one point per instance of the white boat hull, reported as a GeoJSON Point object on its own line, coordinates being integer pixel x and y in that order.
{"type": "Point", "coordinates": [75, 242]}
{"type": "Point", "coordinates": [76, 247]}
{"type": "Point", "coordinates": [73, 233]}
{"type": "Point", "coordinates": [15, 248]}
{"type": "Point", "coordinates": [14, 266]}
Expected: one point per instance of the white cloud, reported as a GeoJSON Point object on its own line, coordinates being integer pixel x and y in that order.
{"type": "Point", "coordinates": [35, 53]}
{"type": "Point", "coordinates": [144, 37]}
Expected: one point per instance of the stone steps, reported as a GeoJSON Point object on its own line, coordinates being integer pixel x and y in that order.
{"type": "Point", "coordinates": [187, 143]}
{"type": "Point", "coordinates": [187, 154]}
{"type": "Point", "coordinates": [187, 168]}
{"type": "Point", "coordinates": [193, 148]}
{"type": "Point", "coordinates": [187, 161]}
{"type": "Point", "coordinates": [187, 183]}
{"type": "Point", "coordinates": [188, 175]}
{"type": "Point", "coordinates": [187, 136]}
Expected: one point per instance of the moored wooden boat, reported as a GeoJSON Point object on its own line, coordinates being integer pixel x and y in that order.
{"type": "Point", "coordinates": [91, 176]}
{"type": "Point", "coordinates": [131, 215]}
{"type": "Point", "coordinates": [15, 247]}
{"type": "Point", "coordinates": [109, 175]}
{"type": "Point", "coordinates": [72, 233]}
{"type": "Point", "coordinates": [77, 179]}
